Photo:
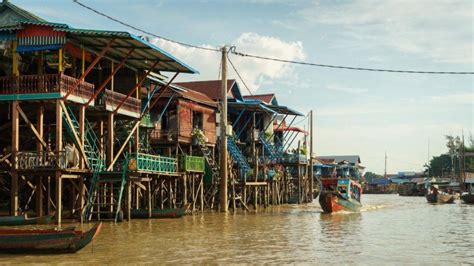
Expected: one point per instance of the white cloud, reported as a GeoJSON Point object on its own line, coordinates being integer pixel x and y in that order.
{"type": "Point", "coordinates": [347, 89]}
{"type": "Point", "coordinates": [453, 99]}
{"type": "Point", "coordinates": [255, 72]}
{"type": "Point", "coordinates": [438, 30]}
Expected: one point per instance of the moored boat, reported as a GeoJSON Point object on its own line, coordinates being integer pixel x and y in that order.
{"type": "Point", "coordinates": [159, 213]}
{"type": "Point", "coordinates": [468, 198]}
{"type": "Point", "coordinates": [24, 220]}
{"type": "Point", "coordinates": [340, 194]}
{"type": "Point", "coordinates": [46, 240]}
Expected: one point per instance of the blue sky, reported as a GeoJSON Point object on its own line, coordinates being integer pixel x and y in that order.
{"type": "Point", "coordinates": [363, 113]}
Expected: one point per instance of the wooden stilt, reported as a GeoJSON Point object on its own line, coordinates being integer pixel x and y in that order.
{"type": "Point", "coordinates": [59, 193]}
{"type": "Point", "coordinates": [81, 198]}
{"type": "Point", "coordinates": [14, 200]}
{"type": "Point", "coordinates": [149, 199]}
{"type": "Point", "coordinates": [110, 139]}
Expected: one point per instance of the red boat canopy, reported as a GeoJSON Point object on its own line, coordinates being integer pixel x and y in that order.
{"type": "Point", "coordinates": [285, 128]}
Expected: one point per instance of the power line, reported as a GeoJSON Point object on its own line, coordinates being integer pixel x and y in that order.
{"type": "Point", "coordinates": [348, 67]}
{"type": "Point", "coordinates": [233, 50]}
{"type": "Point", "coordinates": [144, 31]}
{"type": "Point", "coordinates": [238, 74]}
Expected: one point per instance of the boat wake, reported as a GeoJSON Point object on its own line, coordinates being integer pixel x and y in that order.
{"type": "Point", "coordinates": [366, 208]}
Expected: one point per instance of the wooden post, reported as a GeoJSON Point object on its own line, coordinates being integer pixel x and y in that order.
{"type": "Point", "coordinates": [81, 198]}
{"type": "Point", "coordinates": [59, 146]}
{"type": "Point", "coordinates": [299, 172]}
{"type": "Point", "coordinates": [48, 192]}
{"type": "Point", "coordinates": [14, 200]}
{"type": "Point", "coordinates": [82, 118]}
{"type": "Point", "coordinates": [15, 59]}
{"type": "Point", "coordinates": [223, 135]}
{"type": "Point", "coordinates": [201, 192]}
{"type": "Point", "coordinates": [255, 171]}
{"type": "Point", "coordinates": [149, 198]}
{"type": "Point", "coordinates": [39, 148]}
{"type": "Point", "coordinates": [110, 138]}
{"type": "Point", "coordinates": [83, 62]}
{"type": "Point", "coordinates": [59, 194]}
{"type": "Point", "coordinates": [185, 189]}
{"type": "Point", "coordinates": [60, 60]}
{"type": "Point", "coordinates": [112, 80]}
{"type": "Point", "coordinates": [129, 200]}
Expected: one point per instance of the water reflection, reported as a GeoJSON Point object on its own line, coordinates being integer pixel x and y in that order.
{"type": "Point", "coordinates": [391, 229]}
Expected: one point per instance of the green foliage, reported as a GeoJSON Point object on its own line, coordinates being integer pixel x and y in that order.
{"type": "Point", "coordinates": [369, 176]}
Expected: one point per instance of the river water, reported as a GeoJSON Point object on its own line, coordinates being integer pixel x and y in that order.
{"type": "Point", "coordinates": [389, 229]}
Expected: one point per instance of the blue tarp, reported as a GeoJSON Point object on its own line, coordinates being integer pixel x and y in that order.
{"type": "Point", "coordinates": [32, 48]}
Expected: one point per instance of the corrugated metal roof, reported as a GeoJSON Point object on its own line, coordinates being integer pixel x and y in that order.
{"type": "Point", "coordinates": [143, 57]}
{"type": "Point", "coordinates": [10, 13]}
{"type": "Point", "coordinates": [212, 88]}
{"type": "Point", "coordinates": [266, 98]}
{"type": "Point", "coordinates": [254, 106]}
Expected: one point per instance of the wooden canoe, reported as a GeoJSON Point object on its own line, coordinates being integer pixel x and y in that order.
{"type": "Point", "coordinates": [158, 213]}
{"type": "Point", "coordinates": [439, 198]}
{"type": "Point", "coordinates": [23, 220]}
{"type": "Point", "coordinates": [46, 240]}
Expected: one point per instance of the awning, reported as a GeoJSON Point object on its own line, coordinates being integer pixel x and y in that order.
{"type": "Point", "coordinates": [250, 106]}
{"type": "Point", "coordinates": [143, 57]}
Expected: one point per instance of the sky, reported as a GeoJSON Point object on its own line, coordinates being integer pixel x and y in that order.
{"type": "Point", "coordinates": [355, 112]}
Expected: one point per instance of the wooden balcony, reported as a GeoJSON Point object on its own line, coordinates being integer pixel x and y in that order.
{"type": "Point", "coordinates": [41, 87]}
{"type": "Point", "coordinates": [163, 135]}
{"type": "Point", "coordinates": [131, 106]}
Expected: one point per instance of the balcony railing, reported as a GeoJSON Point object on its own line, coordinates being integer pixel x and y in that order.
{"type": "Point", "coordinates": [192, 163]}
{"type": "Point", "coordinates": [33, 160]}
{"type": "Point", "coordinates": [113, 99]}
{"type": "Point", "coordinates": [48, 83]}
{"type": "Point", "coordinates": [152, 163]}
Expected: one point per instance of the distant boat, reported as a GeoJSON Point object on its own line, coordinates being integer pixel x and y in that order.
{"type": "Point", "coordinates": [159, 213]}
{"type": "Point", "coordinates": [24, 220]}
{"type": "Point", "coordinates": [436, 196]}
{"type": "Point", "coordinates": [340, 194]}
{"type": "Point", "coordinates": [468, 197]}
{"type": "Point", "coordinates": [46, 240]}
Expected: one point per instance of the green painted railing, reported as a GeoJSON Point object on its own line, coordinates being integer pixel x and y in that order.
{"type": "Point", "coordinates": [152, 163]}
{"type": "Point", "coordinates": [192, 163]}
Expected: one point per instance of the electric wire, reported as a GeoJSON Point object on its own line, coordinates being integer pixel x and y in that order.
{"type": "Point", "coordinates": [238, 74]}
{"type": "Point", "coordinates": [144, 31]}
{"type": "Point", "coordinates": [234, 51]}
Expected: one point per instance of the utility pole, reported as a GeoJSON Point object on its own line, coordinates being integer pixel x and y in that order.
{"type": "Point", "coordinates": [311, 174]}
{"type": "Point", "coordinates": [223, 135]}
{"type": "Point", "coordinates": [385, 174]}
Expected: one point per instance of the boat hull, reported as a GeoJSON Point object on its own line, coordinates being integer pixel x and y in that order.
{"type": "Point", "coordinates": [157, 213]}
{"type": "Point", "coordinates": [468, 198]}
{"type": "Point", "coordinates": [22, 220]}
{"type": "Point", "coordinates": [439, 198]}
{"type": "Point", "coordinates": [46, 241]}
{"type": "Point", "coordinates": [331, 202]}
